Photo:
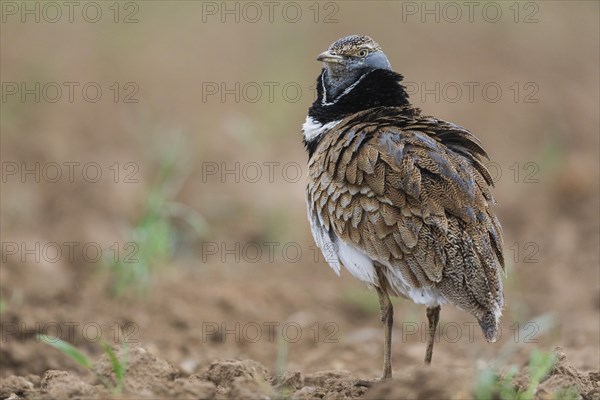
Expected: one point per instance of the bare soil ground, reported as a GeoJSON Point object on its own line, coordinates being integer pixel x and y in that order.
{"type": "Point", "coordinates": [150, 377]}
{"type": "Point", "coordinates": [174, 350]}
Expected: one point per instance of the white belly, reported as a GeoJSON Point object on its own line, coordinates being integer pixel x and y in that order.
{"type": "Point", "coordinates": [356, 262]}
{"type": "Point", "coordinates": [429, 296]}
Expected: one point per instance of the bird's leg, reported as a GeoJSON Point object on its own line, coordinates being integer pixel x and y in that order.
{"type": "Point", "coordinates": [433, 316]}
{"type": "Point", "coordinates": [387, 317]}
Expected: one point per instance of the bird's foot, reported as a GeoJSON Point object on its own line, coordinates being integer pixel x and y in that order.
{"type": "Point", "coordinates": [371, 382]}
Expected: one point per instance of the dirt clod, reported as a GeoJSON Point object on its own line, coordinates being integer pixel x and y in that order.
{"type": "Point", "coordinates": [16, 385]}
{"type": "Point", "coordinates": [190, 388]}
{"type": "Point", "coordinates": [146, 373]}
{"type": "Point", "coordinates": [60, 384]}
{"type": "Point", "coordinates": [290, 381]}
{"type": "Point", "coordinates": [424, 382]}
{"type": "Point", "coordinates": [565, 378]}
{"type": "Point", "coordinates": [330, 385]}
{"type": "Point", "coordinates": [223, 373]}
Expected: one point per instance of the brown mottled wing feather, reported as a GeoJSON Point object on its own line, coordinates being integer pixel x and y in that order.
{"type": "Point", "coordinates": [416, 198]}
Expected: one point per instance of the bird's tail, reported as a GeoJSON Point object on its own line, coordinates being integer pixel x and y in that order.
{"type": "Point", "coordinates": [489, 325]}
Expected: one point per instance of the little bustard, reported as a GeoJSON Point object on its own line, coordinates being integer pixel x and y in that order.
{"type": "Point", "coordinates": [401, 200]}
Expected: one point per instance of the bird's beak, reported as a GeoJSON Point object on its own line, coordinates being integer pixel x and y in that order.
{"type": "Point", "coordinates": [327, 57]}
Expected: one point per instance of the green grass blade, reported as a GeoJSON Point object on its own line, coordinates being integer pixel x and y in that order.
{"type": "Point", "coordinates": [124, 351]}
{"type": "Point", "coordinates": [117, 366]}
{"type": "Point", "coordinates": [68, 350]}
{"type": "Point", "coordinates": [540, 365]}
{"type": "Point", "coordinates": [485, 383]}
{"type": "Point", "coordinates": [282, 352]}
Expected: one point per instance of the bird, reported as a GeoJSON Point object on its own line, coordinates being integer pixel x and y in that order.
{"type": "Point", "coordinates": [401, 200]}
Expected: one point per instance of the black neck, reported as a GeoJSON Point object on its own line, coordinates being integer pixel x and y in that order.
{"type": "Point", "coordinates": [378, 88]}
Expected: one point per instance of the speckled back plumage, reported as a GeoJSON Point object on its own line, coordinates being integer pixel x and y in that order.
{"type": "Point", "coordinates": [412, 193]}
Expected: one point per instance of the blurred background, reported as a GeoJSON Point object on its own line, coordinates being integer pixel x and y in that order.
{"type": "Point", "coordinates": [153, 178]}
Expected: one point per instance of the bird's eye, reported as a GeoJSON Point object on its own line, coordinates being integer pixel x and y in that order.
{"type": "Point", "coordinates": [363, 53]}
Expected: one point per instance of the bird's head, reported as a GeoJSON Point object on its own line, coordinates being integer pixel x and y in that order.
{"type": "Point", "coordinates": [348, 59]}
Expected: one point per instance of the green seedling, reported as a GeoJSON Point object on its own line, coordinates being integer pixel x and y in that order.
{"type": "Point", "coordinates": [283, 393]}
{"type": "Point", "coordinates": [282, 353]}
{"type": "Point", "coordinates": [490, 384]}
{"type": "Point", "coordinates": [540, 365]}
{"type": "Point", "coordinates": [151, 240]}
{"type": "Point", "coordinates": [119, 366]}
